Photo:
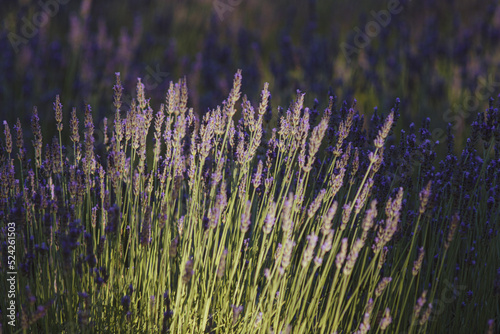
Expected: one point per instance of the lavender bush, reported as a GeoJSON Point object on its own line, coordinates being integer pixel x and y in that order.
{"type": "Point", "coordinates": [220, 223]}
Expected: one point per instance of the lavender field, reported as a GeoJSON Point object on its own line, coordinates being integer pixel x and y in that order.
{"type": "Point", "coordinates": [233, 166]}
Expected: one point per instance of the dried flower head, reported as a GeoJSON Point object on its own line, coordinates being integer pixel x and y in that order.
{"type": "Point", "coordinates": [361, 200]}
{"type": "Point", "coordinates": [19, 139]}
{"type": "Point", "coordinates": [287, 255]}
{"type": "Point", "coordinates": [346, 214]}
{"type": "Point", "coordinates": [386, 320]}
{"type": "Point", "coordinates": [265, 94]}
{"type": "Point", "coordinates": [382, 285]}
{"type": "Point", "coordinates": [327, 219]}
{"type": "Point", "coordinates": [286, 224]}
{"type": "Point", "coordinates": [352, 257]}
{"type": "Point", "coordinates": [316, 138]}
{"type": "Point", "coordinates": [37, 134]}
{"type": "Point", "coordinates": [420, 303]}
{"type": "Point", "coordinates": [58, 112]}
{"type": "Point", "coordinates": [257, 179]}
{"type": "Point", "coordinates": [180, 225]}
{"type": "Point", "coordinates": [269, 220]}
{"type": "Point", "coordinates": [426, 315]}
{"type": "Point", "coordinates": [364, 327]}
{"type": "Point", "coordinates": [370, 215]}
{"type": "Point", "coordinates": [245, 217]}
{"type": "Point", "coordinates": [308, 253]}
{"type": "Point", "coordinates": [424, 197]}
{"type": "Point", "coordinates": [418, 263]}
{"type": "Point", "coordinates": [336, 181]}
{"type": "Point", "coordinates": [339, 260]}
{"type": "Point", "coordinates": [369, 306]}
{"type": "Point", "coordinates": [8, 137]}
{"type": "Point", "coordinates": [384, 131]}
{"type": "Point", "coordinates": [327, 245]}
{"type": "Point", "coordinates": [355, 167]}
{"type": "Point", "coordinates": [453, 226]}
{"type": "Point", "coordinates": [316, 204]}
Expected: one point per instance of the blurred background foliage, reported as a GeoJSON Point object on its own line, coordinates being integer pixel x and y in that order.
{"type": "Point", "coordinates": [441, 58]}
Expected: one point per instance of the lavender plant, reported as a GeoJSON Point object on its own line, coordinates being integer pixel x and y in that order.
{"type": "Point", "coordinates": [190, 224]}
